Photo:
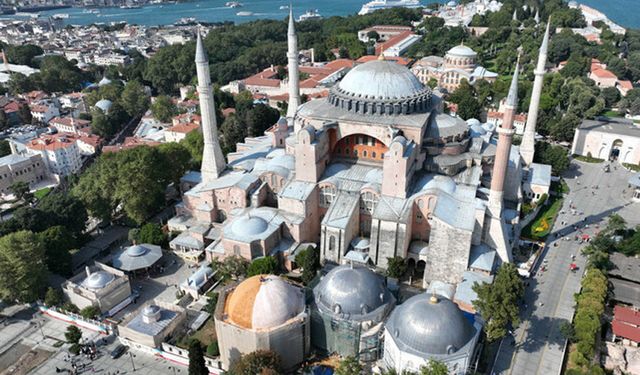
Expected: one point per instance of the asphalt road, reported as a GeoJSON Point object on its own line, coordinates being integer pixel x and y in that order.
{"type": "Point", "coordinates": [537, 347]}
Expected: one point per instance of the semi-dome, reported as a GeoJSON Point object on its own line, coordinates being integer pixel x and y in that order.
{"type": "Point", "coordinates": [263, 302]}
{"type": "Point", "coordinates": [381, 87]}
{"type": "Point", "coordinates": [249, 226]}
{"type": "Point", "coordinates": [427, 325]}
{"type": "Point", "coordinates": [352, 292]}
{"type": "Point", "coordinates": [98, 280]}
{"type": "Point", "coordinates": [462, 51]}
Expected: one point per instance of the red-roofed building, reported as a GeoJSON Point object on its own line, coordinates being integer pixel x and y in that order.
{"type": "Point", "coordinates": [71, 125]}
{"type": "Point", "coordinates": [398, 44]}
{"type": "Point", "coordinates": [182, 125]}
{"type": "Point", "coordinates": [626, 325]}
{"type": "Point", "coordinates": [385, 32]}
{"type": "Point", "coordinates": [60, 153]}
{"type": "Point", "coordinates": [519, 120]}
{"type": "Point", "coordinates": [624, 87]}
{"type": "Point", "coordinates": [602, 76]}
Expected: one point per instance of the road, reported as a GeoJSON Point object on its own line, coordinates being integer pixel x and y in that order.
{"type": "Point", "coordinates": [537, 347]}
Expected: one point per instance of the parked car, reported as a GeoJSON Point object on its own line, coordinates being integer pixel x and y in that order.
{"type": "Point", "coordinates": [118, 351]}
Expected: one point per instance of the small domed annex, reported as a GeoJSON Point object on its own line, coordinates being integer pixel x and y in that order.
{"type": "Point", "coordinates": [427, 325]}
{"type": "Point", "coordinates": [263, 301]}
{"type": "Point", "coordinates": [381, 87]}
{"type": "Point", "coordinates": [98, 280]}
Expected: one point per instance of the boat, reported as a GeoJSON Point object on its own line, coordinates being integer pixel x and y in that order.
{"type": "Point", "coordinates": [92, 11]}
{"type": "Point", "coordinates": [310, 15]}
{"type": "Point", "coordinates": [374, 5]}
{"type": "Point", "coordinates": [244, 14]}
{"type": "Point", "coordinates": [185, 21]}
{"type": "Point", "coordinates": [60, 16]}
{"type": "Point", "coordinates": [130, 6]}
{"type": "Point", "coordinates": [233, 4]}
{"type": "Point", "coordinates": [25, 14]}
{"type": "Point", "coordinates": [282, 7]}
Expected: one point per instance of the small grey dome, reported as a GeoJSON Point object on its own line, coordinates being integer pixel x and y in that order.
{"type": "Point", "coordinates": [425, 327]}
{"type": "Point", "coordinates": [104, 81]}
{"type": "Point", "coordinates": [98, 280]}
{"type": "Point", "coordinates": [104, 105]}
{"type": "Point", "coordinates": [136, 251]}
{"type": "Point", "coordinates": [150, 310]}
{"type": "Point", "coordinates": [462, 51]}
{"type": "Point", "coordinates": [351, 291]}
{"type": "Point", "coordinates": [151, 314]}
{"type": "Point", "coordinates": [250, 226]}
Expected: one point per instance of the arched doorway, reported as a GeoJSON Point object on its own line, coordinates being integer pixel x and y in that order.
{"type": "Point", "coordinates": [615, 150]}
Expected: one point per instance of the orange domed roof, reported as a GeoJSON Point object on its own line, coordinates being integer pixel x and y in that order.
{"type": "Point", "coordinates": [262, 302]}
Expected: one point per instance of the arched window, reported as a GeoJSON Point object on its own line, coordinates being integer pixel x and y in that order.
{"type": "Point", "coordinates": [332, 243]}
{"type": "Point", "coordinates": [364, 153]}
{"type": "Point", "coordinates": [373, 154]}
{"type": "Point", "coordinates": [236, 250]}
{"type": "Point", "coordinates": [327, 195]}
{"type": "Point", "coordinates": [368, 201]}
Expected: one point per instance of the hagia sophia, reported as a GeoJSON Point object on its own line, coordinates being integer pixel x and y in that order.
{"type": "Point", "coordinates": [373, 171]}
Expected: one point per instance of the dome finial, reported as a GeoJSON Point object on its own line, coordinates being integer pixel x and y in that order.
{"type": "Point", "coordinates": [434, 298]}
{"type": "Point", "coordinates": [381, 56]}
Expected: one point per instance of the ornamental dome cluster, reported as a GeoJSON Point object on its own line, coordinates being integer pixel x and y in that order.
{"type": "Point", "coordinates": [381, 87]}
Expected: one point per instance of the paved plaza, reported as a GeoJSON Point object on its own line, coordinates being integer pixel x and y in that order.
{"type": "Point", "coordinates": [537, 347]}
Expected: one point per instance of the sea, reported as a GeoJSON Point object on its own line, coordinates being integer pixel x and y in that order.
{"type": "Point", "coordinates": [623, 12]}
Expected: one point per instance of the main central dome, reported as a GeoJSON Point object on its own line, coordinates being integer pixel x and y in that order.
{"type": "Point", "coordinates": [381, 87]}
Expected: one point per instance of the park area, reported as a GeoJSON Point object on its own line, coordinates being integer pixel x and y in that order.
{"type": "Point", "coordinates": [541, 226]}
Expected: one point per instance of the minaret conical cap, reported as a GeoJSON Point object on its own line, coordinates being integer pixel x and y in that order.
{"type": "Point", "coordinates": [201, 54]}
{"type": "Point", "coordinates": [545, 41]}
{"type": "Point", "coordinates": [292, 27]}
{"type": "Point", "coordinates": [512, 98]}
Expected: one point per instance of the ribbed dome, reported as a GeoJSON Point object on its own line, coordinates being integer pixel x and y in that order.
{"type": "Point", "coordinates": [382, 80]}
{"type": "Point", "coordinates": [98, 280]}
{"type": "Point", "coordinates": [462, 51]}
{"type": "Point", "coordinates": [352, 292]}
{"type": "Point", "coordinates": [381, 87]}
{"type": "Point", "coordinates": [264, 301]}
{"type": "Point", "coordinates": [422, 326]}
{"type": "Point", "coordinates": [249, 226]}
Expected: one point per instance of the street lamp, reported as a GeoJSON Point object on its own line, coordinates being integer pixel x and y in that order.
{"type": "Point", "coordinates": [132, 364]}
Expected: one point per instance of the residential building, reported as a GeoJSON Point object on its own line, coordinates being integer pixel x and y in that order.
{"type": "Point", "coordinates": [60, 153]}
{"type": "Point", "coordinates": [43, 112]}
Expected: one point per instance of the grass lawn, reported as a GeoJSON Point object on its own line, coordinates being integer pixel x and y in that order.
{"type": "Point", "coordinates": [612, 113]}
{"type": "Point", "coordinates": [207, 333]}
{"type": "Point", "coordinates": [588, 159]}
{"type": "Point", "coordinates": [540, 227]}
{"type": "Point", "coordinates": [41, 193]}
{"type": "Point", "coordinates": [633, 167]}
{"type": "Point", "coordinates": [560, 187]}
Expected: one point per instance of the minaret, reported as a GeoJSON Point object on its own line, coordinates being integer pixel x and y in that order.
{"type": "Point", "coordinates": [213, 163]}
{"type": "Point", "coordinates": [527, 148]}
{"type": "Point", "coordinates": [515, 14]}
{"type": "Point", "coordinates": [505, 135]}
{"type": "Point", "coordinates": [5, 61]}
{"type": "Point", "coordinates": [294, 75]}
{"type": "Point", "coordinates": [537, 17]}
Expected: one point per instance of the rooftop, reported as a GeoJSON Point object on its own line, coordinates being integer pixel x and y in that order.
{"type": "Point", "coordinates": [611, 125]}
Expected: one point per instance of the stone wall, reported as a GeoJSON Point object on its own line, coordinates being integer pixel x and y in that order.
{"type": "Point", "coordinates": [448, 253]}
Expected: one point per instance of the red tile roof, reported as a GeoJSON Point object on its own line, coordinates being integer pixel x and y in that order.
{"type": "Point", "coordinates": [130, 142]}
{"type": "Point", "coordinates": [52, 142]}
{"type": "Point", "coordinates": [603, 73]}
{"type": "Point", "coordinates": [626, 323]}
{"type": "Point", "coordinates": [184, 128]}
{"type": "Point", "coordinates": [381, 47]}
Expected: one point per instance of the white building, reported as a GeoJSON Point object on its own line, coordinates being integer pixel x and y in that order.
{"type": "Point", "coordinates": [43, 112]}
{"type": "Point", "coordinates": [60, 152]}
{"type": "Point", "coordinates": [111, 59]}
{"type": "Point", "coordinates": [608, 139]}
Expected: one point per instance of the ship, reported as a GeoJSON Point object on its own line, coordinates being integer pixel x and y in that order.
{"type": "Point", "coordinates": [130, 6]}
{"type": "Point", "coordinates": [185, 21]}
{"type": "Point", "coordinates": [310, 15]}
{"type": "Point", "coordinates": [233, 4]}
{"type": "Point", "coordinates": [374, 5]}
{"type": "Point", "coordinates": [284, 7]}
{"type": "Point", "coordinates": [244, 14]}
{"type": "Point", "coordinates": [60, 16]}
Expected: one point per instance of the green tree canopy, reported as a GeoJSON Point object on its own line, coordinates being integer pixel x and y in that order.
{"type": "Point", "coordinates": [263, 266]}
{"type": "Point", "coordinates": [23, 270]}
{"type": "Point", "coordinates": [258, 362]}
{"type": "Point", "coordinates": [21, 190]}
{"type": "Point", "coordinates": [163, 108]}
{"type": "Point", "coordinates": [73, 334]}
{"type": "Point", "coordinates": [134, 100]}
{"type": "Point", "coordinates": [498, 303]}
{"type": "Point", "coordinates": [349, 366]}
{"type": "Point", "coordinates": [151, 233]}
{"type": "Point", "coordinates": [309, 260]}
{"type": "Point", "coordinates": [57, 242]}
{"type": "Point", "coordinates": [396, 267]}
{"type": "Point", "coordinates": [197, 365]}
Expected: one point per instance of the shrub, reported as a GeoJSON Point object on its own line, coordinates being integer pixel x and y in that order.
{"type": "Point", "coordinates": [90, 312]}
{"type": "Point", "coordinates": [213, 350]}
{"type": "Point", "coordinates": [52, 297]}
{"type": "Point", "coordinates": [396, 267]}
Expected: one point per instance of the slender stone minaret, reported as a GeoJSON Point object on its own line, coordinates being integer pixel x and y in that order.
{"type": "Point", "coordinates": [294, 75]}
{"type": "Point", "coordinates": [497, 232]}
{"type": "Point", "coordinates": [537, 17]}
{"type": "Point", "coordinates": [5, 62]}
{"type": "Point", "coordinates": [213, 163]}
{"type": "Point", "coordinates": [505, 135]}
{"type": "Point", "coordinates": [527, 148]}
{"type": "Point", "coordinates": [515, 14]}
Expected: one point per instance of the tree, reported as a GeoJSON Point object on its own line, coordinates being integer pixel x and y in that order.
{"type": "Point", "coordinates": [52, 297]}
{"type": "Point", "coordinates": [197, 365]}
{"type": "Point", "coordinates": [556, 156]}
{"type": "Point", "coordinates": [73, 334]}
{"type": "Point", "coordinates": [373, 35]}
{"type": "Point", "coordinates": [309, 260]}
{"type": "Point", "coordinates": [5, 148]}
{"type": "Point", "coordinates": [57, 242]}
{"type": "Point", "coordinates": [434, 367]}
{"type": "Point", "coordinates": [66, 210]}
{"type": "Point", "coordinates": [263, 266]}
{"type": "Point", "coordinates": [4, 121]}
{"type": "Point", "coordinates": [90, 312]}
{"type": "Point", "coordinates": [498, 303]}
{"type": "Point", "coordinates": [102, 125]}
{"type": "Point", "coordinates": [260, 118]}
{"type": "Point", "coordinates": [23, 54]}
{"type": "Point", "coordinates": [231, 267]}
{"type": "Point", "coordinates": [21, 190]}
{"type": "Point", "coordinates": [566, 329]}
{"type": "Point", "coordinates": [134, 100]}
{"type": "Point", "coordinates": [25, 114]}
{"type": "Point", "coordinates": [23, 270]}
{"type": "Point", "coordinates": [256, 363]}
{"type": "Point", "coordinates": [151, 233]}
{"type": "Point", "coordinates": [396, 267]}
{"type": "Point", "coordinates": [212, 349]}
{"type": "Point", "coordinates": [611, 96]}
{"type": "Point", "coordinates": [233, 131]}
{"type": "Point", "coordinates": [163, 108]}
{"type": "Point", "coordinates": [349, 366]}
{"type": "Point", "coordinates": [194, 143]}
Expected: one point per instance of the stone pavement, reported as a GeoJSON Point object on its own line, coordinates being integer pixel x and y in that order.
{"type": "Point", "coordinates": [537, 347]}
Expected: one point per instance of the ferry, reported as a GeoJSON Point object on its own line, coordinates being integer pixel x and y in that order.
{"type": "Point", "coordinates": [185, 21]}
{"type": "Point", "coordinates": [244, 14]}
{"type": "Point", "coordinates": [282, 7]}
{"type": "Point", "coordinates": [233, 4]}
{"type": "Point", "coordinates": [374, 5]}
{"type": "Point", "coordinates": [60, 16]}
{"type": "Point", "coordinates": [130, 6]}
{"type": "Point", "coordinates": [310, 15]}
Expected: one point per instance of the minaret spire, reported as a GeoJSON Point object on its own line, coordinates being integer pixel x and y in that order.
{"type": "Point", "coordinates": [515, 14]}
{"type": "Point", "coordinates": [213, 163]}
{"type": "Point", "coordinates": [505, 135]}
{"type": "Point", "coordinates": [537, 17]}
{"type": "Point", "coordinates": [527, 148]}
{"type": "Point", "coordinates": [294, 75]}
